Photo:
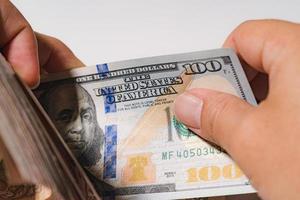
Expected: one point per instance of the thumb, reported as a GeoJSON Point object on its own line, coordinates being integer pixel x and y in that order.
{"type": "Point", "coordinates": [216, 116]}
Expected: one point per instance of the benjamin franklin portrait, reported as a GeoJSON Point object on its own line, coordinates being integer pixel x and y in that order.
{"type": "Point", "coordinates": [73, 112]}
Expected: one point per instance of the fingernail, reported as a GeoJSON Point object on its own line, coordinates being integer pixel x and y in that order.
{"type": "Point", "coordinates": [188, 109]}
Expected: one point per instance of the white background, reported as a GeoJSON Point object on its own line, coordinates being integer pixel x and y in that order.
{"type": "Point", "coordinates": [101, 31]}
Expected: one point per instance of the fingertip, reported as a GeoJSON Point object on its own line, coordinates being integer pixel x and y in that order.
{"type": "Point", "coordinates": [238, 33]}
{"type": "Point", "coordinates": [35, 82]}
{"type": "Point", "coordinates": [29, 75]}
{"type": "Point", "coordinates": [26, 66]}
{"type": "Point", "coordinates": [228, 43]}
{"type": "Point", "coordinates": [187, 109]}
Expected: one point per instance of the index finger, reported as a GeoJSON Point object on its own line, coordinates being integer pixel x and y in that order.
{"type": "Point", "coordinates": [269, 46]}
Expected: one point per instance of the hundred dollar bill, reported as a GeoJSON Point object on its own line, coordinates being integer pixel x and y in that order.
{"type": "Point", "coordinates": [117, 120]}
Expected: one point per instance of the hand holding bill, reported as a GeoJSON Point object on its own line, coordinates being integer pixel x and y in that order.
{"type": "Point", "coordinates": [263, 140]}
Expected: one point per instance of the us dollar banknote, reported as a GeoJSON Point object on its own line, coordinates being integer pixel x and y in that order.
{"type": "Point", "coordinates": [118, 121]}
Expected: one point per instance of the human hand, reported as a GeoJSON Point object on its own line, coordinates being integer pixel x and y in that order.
{"type": "Point", "coordinates": [27, 51]}
{"type": "Point", "coordinates": [263, 140]}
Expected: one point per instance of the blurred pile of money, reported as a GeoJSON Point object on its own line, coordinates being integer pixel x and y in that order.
{"type": "Point", "coordinates": [31, 149]}
{"type": "Point", "coordinates": [117, 122]}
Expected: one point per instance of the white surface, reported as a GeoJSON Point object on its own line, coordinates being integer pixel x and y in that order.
{"type": "Point", "coordinates": [105, 31]}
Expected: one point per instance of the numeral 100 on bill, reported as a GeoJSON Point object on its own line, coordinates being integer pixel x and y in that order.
{"type": "Point", "coordinates": [213, 173]}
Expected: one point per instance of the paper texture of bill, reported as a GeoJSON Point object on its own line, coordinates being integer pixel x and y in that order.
{"type": "Point", "coordinates": [117, 120]}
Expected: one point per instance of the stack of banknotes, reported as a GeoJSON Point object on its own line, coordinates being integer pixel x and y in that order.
{"type": "Point", "coordinates": [118, 122]}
